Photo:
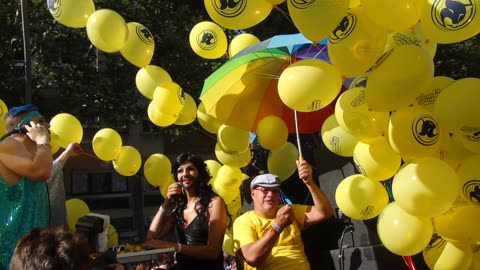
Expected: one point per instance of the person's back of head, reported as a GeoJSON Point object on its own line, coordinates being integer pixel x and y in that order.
{"type": "Point", "coordinates": [51, 248]}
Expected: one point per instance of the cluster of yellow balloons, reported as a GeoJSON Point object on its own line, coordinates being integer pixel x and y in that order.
{"type": "Point", "coordinates": [106, 29]}
{"type": "Point", "coordinates": [108, 146]}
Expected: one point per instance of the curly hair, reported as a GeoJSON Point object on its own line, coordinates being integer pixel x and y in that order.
{"type": "Point", "coordinates": [51, 248]}
{"type": "Point", "coordinates": [201, 186]}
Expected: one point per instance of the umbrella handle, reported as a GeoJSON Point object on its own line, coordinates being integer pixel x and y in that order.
{"type": "Point", "coordinates": [300, 155]}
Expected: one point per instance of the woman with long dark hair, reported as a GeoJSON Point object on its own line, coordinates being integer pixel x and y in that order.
{"type": "Point", "coordinates": [196, 213]}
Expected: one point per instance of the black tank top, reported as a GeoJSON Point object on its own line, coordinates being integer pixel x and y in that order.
{"type": "Point", "coordinates": [196, 234]}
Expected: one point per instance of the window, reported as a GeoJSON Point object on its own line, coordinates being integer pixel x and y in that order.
{"type": "Point", "coordinates": [98, 183]}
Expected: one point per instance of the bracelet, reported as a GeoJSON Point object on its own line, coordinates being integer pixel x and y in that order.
{"type": "Point", "coordinates": [161, 210]}
{"type": "Point", "coordinates": [43, 144]}
{"type": "Point", "coordinates": [276, 227]}
{"type": "Point", "coordinates": [179, 247]}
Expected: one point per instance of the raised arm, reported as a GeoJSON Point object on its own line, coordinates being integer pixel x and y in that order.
{"type": "Point", "coordinates": [18, 160]}
{"type": "Point", "coordinates": [321, 209]}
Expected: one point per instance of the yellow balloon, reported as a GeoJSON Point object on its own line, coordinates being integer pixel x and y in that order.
{"type": "Point", "coordinates": [336, 139]}
{"type": "Point", "coordinates": [228, 193]}
{"type": "Point", "coordinates": [238, 15]}
{"type": "Point", "coordinates": [140, 45]}
{"type": "Point", "coordinates": [67, 128]}
{"type": "Point", "coordinates": [229, 177]}
{"type": "Point", "coordinates": [208, 122]}
{"type": "Point", "coordinates": [309, 85]}
{"type": "Point", "coordinates": [213, 166]}
{"type": "Point", "coordinates": [169, 98]}
{"type": "Point", "coordinates": [460, 223]}
{"type": "Point", "coordinates": [353, 115]}
{"type": "Point", "coordinates": [316, 19]}
{"type": "Point", "coordinates": [361, 198]}
{"type": "Point", "coordinates": [425, 187]}
{"type": "Point", "coordinates": [394, 15]}
{"type": "Point", "coordinates": [272, 132]}
{"type": "Point", "coordinates": [450, 21]}
{"type": "Point", "coordinates": [275, 2]}
{"type": "Point", "coordinates": [433, 250]}
{"type": "Point", "coordinates": [208, 40]}
{"type": "Point", "coordinates": [107, 144]}
{"type": "Point", "coordinates": [469, 174]}
{"type": "Point", "coordinates": [355, 44]}
{"type": "Point", "coordinates": [76, 209]}
{"type": "Point", "coordinates": [282, 161]}
{"type": "Point", "coordinates": [451, 151]}
{"type": "Point", "coordinates": [158, 117]}
{"type": "Point", "coordinates": [188, 113]}
{"type": "Point", "coordinates": [233, 139]}
{"type": "Point", "coordinates": [241, 42]}
{"type": "Point", "coordinates": [227, 246]}
{"type": "Point", "coordinates": [3, 129]}
{"type": "Point", "coordinates": [414, 132]}
{"type": "Point", "coordinates": [375, 159]}
{"type": "Point", "coordinates": [107, 30]}
{"type": "Point", "coordinates": [234, 159]}
{"type": "Point", "coordinates": [475, 257]}
{"type": "Point", "coordinates": [402, 233]}
{"type": "Point", "coordinates": [398, 77]}
{"type": "Point", "coordinates": [454, 112]}
{"type": "Point", "coordinates": [164, 185]}
{"type": "Point", "coordinates": [454, 256]}
{"type": "Point", "coordinates": [112, 236]}
{"type": "Point", "coordinates": [411, 36]}
{"type": "Point", "coordinates": [54, 143]}
{"type": "Point", "coordinates": [149, 77]}
{"type": "Point", "coordinates": [156, 168]}
{"type": "Point", "coordinates": [3, 109]}
{"type": "Point", "coordinates": [128, 161]}
{"type": "Point", "coordinates": [426, 99]}
{"type": "Point", "coordinates": [71, 13]}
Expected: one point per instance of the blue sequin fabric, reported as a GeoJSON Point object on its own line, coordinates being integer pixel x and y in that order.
{"type": "Point", "coordinates": [23, 207]}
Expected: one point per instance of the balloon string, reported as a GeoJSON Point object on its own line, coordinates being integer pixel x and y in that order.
{"type": "Point", "coordinates": [298, 135]}
{"type": "Point", "coordinates": [285, 15]}
{"type": "Point", "coordinates": [89, 154]}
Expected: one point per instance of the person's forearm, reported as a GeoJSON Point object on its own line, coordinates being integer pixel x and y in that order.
{"type": "Point", "coordinates": [255, 253]}
{"type": "Point", "coordinates": [321, 205]}
{"type": "Point", "coordinates": [63, 157]}
{"type": "Point", "coordinates": [159, 226]}
{"type": "Point", "coordinates": [42, 163]}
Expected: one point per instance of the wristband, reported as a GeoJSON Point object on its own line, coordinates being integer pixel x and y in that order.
{"type": "Point", "coordinates": [179, 247]}
{"type": "Point", "coordinates": [276, 227]}
{"type": "Point", "coordinates": [43, 144]}
{"type": "Point", "coordinates": [161, 210]}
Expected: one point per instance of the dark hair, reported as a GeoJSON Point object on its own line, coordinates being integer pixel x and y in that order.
{"type": "Point", "coordinates": [203, 189]}
{"type": "Point", "coordinates": [51, 248]}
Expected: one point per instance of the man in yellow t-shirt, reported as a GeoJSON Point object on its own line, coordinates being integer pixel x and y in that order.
{"type": "Point", "coordinates": [269, 236]}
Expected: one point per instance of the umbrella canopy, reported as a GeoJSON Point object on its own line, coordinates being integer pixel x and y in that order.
{"type": "Point", "coordinates": [244, 90]}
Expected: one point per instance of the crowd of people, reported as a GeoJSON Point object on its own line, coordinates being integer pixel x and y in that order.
{"type": "Point", "coordinates": [32, 223]}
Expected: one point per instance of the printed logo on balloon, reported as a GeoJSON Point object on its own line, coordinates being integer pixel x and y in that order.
{"type": "Point", "coordinates": [471, 191]}
{"type": "Point", "coordinates": [144, 34]}
{"type": "Point", "coordinates": [55, 7]}
{"type": "Point", "coordinates": [451, 15]}
{"type": "Point", "coordinates": [344, 28]}
{"type": "Point", "coordinates": [302, 4]}
{"type": "Point", "coordinates": [229, 8]}
{"type": "Point", "coordinates": [425, 130]}
{"type": "Point", "coordinates": [380, 60]}
{"type": "Point", "coordinates": [471, 133]}
{"type": "Point", "coordinates": [207, 39]}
